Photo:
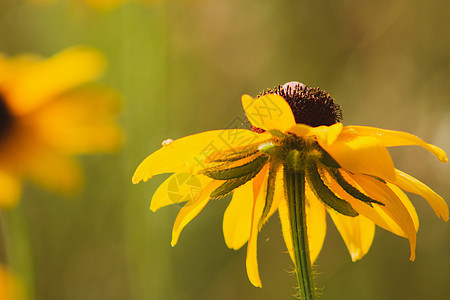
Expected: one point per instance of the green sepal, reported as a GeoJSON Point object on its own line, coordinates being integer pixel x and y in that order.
{"type": "Point", "coordinates": [350, 189]}
{"type": "Point", "coordinates": [278, 134]}
{"type": "Point", "coordinates": [233, 154]}
{"type": "Point", "coordinates": [231, 184]}
{"type": "Point", "coordinates": [270, 191]}
{"type": "Point", "coordinates": [224, 172]}
{"type": "Point", "coordinates": [295, 160]}
{"type": "Point", "coordinates": [377, 178]}
{"type": "Point", "coordinates": [325, 194]}
{"type": "Point", "coordinates": [328, 161]}
{"type": "Point", "coordinates": [269, 149]}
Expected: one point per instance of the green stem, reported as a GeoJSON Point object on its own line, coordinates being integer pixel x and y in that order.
{"type": "Point", "coordinates": [295, 194]}
{"type": "Point", "coordinates": [18, 254]}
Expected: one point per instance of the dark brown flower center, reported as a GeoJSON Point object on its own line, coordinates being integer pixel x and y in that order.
{"type": "Point", "coordinates": [310, 106]}
{"type": "Point", "coordinates": [6, 118]}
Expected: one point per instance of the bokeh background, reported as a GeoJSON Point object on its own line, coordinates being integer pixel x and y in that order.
{"type": "Point", "coordinates": [181, 67]}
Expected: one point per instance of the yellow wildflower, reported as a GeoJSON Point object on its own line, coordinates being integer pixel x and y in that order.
{"type": "Point", "coordinates": [48, 113]}
{"type": "Point", "coordinates": [297, 143]}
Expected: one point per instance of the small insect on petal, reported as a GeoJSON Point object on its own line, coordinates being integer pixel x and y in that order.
{"type": "Point", "coordinates": [166, 142]}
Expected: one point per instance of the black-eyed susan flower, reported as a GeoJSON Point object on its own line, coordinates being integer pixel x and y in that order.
{"type": "Point", "coordinates": [299, 160]}
{"type": "Point", "coordinates": [48, 113]}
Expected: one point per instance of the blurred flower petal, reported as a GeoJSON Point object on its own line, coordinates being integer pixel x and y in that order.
{"type": "Point", "coordinates": [56, 172]}
{"type": "Point", "coordinates": [81, 122]}
{"type": "Point", "coordinates": [11, 287]}
{"type": "Point", "coordinates": [10, 190]}
{"type": "Point", "coordinates": [43, 80]}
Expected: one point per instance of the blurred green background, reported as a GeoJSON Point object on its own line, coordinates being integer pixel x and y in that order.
{"type": "Point", "coordinates": [181, 67]}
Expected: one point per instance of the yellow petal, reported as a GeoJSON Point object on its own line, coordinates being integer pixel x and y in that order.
{"type": "Point", "coordinates": [326, 135]}
{"type": "Point", "coordinates": [11, 286]}
{"type": "Point", "coordinates": [392, 138]}
{"type": "Point", "coordinates": [268, 112]}
{"type": "Point", "coordinates": [81, 121]}
{"type": "Point", "coordinates": [56, 172]}
{"type": "Point", "coordinates": [283, 212]}
{"type": "Point", "coordinates": [315, 224]}
{"type": "Point", "coordinates": [259, 181]}
{"type": "Point", "coordinates": [393, 206]}
{"type": "Point", "coordinates": [362, 154]}
{"type": "Point", "coordinates": [412, 185]}
{"type": "Point", "coordinates": [12, 68]}
{"type": "Point", "coordinates": [278, 193]}
{"type": "Point", "coordinates": [407, 203]}
{"type": "Point", "coordinates": [188, 153]}
{"type": "Point", "coordinates": [357, 233]}
{"type": "Point", "coordinates": [180, 187]}
{"type": "Point", "coordinates": [43, 80]}
{"type": "Point", "coordinates": [237, 219]}
{"type": "Point", "coordinates": [257, 210]}
{"type": "Point", "coordinates": [191, 209]}
{"type": "Point", "coordinates": [375, 214]}
{"type": "Point", "coordinates": [10, 190]}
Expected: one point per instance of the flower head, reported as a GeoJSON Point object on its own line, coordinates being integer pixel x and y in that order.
{"type": "Point", "coordinates": [346, 171]}
{"type": "Point", "coordinates": [48, 113]}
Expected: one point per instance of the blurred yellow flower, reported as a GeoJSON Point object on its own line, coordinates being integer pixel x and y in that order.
{"type": "Point", "coordinates": [345, 171]}
{"type": "Point", "coordinates": [48, 113]}
{"type": "Point", "coordinates": [10, 286]}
